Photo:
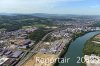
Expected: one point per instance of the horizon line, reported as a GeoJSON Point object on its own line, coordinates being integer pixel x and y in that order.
{"type": "Point", "coordinates": [4, 13]}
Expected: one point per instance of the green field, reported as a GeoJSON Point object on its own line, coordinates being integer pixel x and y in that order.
{"type": "Point", "coordinates": [92, 47]}
{"type": "Point", "coordinates": [39, 25]}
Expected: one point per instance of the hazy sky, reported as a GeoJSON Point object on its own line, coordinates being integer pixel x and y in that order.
{"type": "Point", "coordinates": [51, 6]}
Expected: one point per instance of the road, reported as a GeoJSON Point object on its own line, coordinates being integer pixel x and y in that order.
{"type": "Point", "coordinates": [31, 51]}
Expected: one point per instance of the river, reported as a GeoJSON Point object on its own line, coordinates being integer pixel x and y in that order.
{"type": "Point", "coordinates": [75, 49]}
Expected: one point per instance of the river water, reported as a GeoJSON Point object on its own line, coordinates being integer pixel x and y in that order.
{"type": "Point", "coordinates": [75, 50]}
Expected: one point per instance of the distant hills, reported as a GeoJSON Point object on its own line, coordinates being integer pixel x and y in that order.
{"type": "Point", "coordinates": [11, 21]}
{"type": "Point", "coordinates": [50, 15]}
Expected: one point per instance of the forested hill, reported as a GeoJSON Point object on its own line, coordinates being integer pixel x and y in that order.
{"type": "Point", "coordinates": [14, 22]}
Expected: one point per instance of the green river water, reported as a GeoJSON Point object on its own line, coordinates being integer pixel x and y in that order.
{"type": "Point", "coordinates": [75, 50]}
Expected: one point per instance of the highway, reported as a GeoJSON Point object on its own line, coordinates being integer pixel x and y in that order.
{"type": "Point", "coordinates": [29, 53]}
{"type": "Point", "coordinates": [33, 50]}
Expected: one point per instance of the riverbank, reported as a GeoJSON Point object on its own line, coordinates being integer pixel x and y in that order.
{"type": "Point", "coordinates": [63, 43]}
{"type": "Point", "coordinates": [92, 50]}
{"type": "Point", "coordinates": [76, 49]}
{"type": "Point", "coordinates": [63, 52]}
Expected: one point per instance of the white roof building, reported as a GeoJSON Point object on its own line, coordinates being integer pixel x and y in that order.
{"type": "Point", "coordinates": [3, 59]}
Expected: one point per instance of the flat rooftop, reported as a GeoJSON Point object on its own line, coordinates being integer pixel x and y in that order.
{"type": "Point", "coordinates": [3, 59]}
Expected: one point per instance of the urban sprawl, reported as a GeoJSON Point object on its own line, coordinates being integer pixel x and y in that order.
{"type": "Point", "coordinates": [17, 50]}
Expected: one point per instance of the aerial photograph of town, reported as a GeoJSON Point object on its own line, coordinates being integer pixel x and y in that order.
{"type": "Point", "coordinates": [49, 32]}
